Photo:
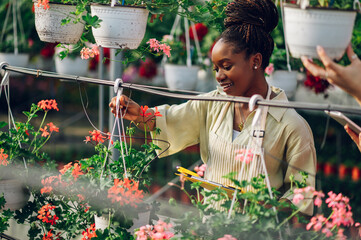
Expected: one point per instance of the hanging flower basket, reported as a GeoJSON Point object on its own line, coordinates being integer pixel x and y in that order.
{"type": "Point", "coordinates": [121, 26]}
{"type": "Point", "coordinates": [14, 192]}
{"type": "Point", "coordinates": [181, 77]}
{"type": "Point", "coordinates": [70, 66]}
{"type": "Point", "coordinates": [48, 24]}
{"type": "Point", "coordinates": [307, 28]}
{"type": "Point", "coordinates": [285, 80]}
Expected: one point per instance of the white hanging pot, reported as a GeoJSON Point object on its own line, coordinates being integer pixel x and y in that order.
{"type": "Point", "coordinates": [101, 222]}
{"type": "Point", "coordinates": [14, 192]}
{"type": "Point", "coordinates": [48, 24]}
{"type": "Point", "coordinates": [307, 28]}
{"type": "Point", "coordinates": [70, 66]}
{"type": "Point", "coordinates": [18, 60]}
{"type": "Point", "coordinates": [181, 77]}
{"type": "Point", "coordinates": [285, 80]}
{"type": "Point", "coordinates": [121, 26]}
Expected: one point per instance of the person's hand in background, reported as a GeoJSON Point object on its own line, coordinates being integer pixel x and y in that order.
{"type": "Point", "coordinates": [354, 137]}
{"type": "Point", "coordinates": [347, 78]}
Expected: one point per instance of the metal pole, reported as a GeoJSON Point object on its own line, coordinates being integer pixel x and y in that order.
{"type": "Point", "coordinates": [116, 71]}
{"type": "Point", "coordinates": [101, 90]}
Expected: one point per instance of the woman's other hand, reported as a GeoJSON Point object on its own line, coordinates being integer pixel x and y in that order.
{"type": "Point", "coordinates": [346, 77]}
{"type": "Point", "coordinates": [354, 137]}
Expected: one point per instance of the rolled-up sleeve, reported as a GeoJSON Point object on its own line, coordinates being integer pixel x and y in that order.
{"type": "Point", "coordinates": [301, 156]}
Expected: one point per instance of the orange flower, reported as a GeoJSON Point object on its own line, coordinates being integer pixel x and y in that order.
{"type": "Point", "coordinates": [125, 192]}
{"type": "Point", "coordinates": [77, 171]}
{"type": "Point", "coordinates": [81, 197]}
{"type": "Point", "coordinates": [89, 233]}
{"type": "Point", "coordinates": [45, 214]}
{"type": "Point", "coordinates": [47, 105]}
{"type": "Point", "coordinates": [96, 136]}
{"type": "Point", "coordinates": [3, 158]}
{"type": "Point", "coordinates": [66, 168]}
{"type": "Point", "coordinates": [52, 127]}
{"type": "Point", "coordinates": [87, 139]}
{"type": "Point", "coordinates": [144, 111]}
{"type": "Point", "coordinates": [157, 113]}
{"type": "Point", "coordinates": [49, 182]}
{"type": "Point", "coordinates": [48, 236]}
{"type": "Point", "coordinates": [45, 3]}
{"type": "Point", "coordinates": [45, 132]}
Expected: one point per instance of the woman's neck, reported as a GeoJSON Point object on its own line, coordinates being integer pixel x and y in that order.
{"type": "Point", "coordinates": [261, 88]}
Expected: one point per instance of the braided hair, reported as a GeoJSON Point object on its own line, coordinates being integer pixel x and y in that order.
{"type": "Point", "coordinates": [248, 27]}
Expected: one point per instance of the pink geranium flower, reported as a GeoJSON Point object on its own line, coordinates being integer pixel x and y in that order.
{"type": "Point", "coordinates": [269, 69]}
{"type": "Point", "coordinates": [201, 169]}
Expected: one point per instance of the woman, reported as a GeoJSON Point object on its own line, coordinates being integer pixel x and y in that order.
{"type": "Point", "coordinates": [240, 56]}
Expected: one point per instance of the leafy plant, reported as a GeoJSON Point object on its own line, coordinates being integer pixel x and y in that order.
{"type": "Point", "coordinates": [256, 215]}
{"type": "Point", "coordinates": [102, 185]}
{"type": "Point", "coordinates": [23, 142]}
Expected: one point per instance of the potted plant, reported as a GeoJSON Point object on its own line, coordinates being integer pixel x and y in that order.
{"type": "Point", "coordinates": [59, 21]}
{"type": "Point", "coordinates": [77, 60]}
{"type": "Point", "coordinates": [78, 199]}
{"type": "Point", "coordinates": [182, 67]}
{"type": "Point", "coordinates": [278, 74]}
{"type": "Point", "coordinates": [20, 148]}
{"type": "Point", "coordinates": [16, 31]}
{"type": "Point", "coordinates": [256, 215]}
{"type": "Point", "coordinates": [123, 25]}
{"type": "Point", "coordinates": [326, 23]}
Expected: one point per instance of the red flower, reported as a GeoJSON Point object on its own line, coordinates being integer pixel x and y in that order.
{"type": "Point", "coordinates": [157, 113]}
{"type": "Point", "coordinates": [52, 127]}
{"type": "Point", "coordinates": [47, 105]}
{"type": "Point", "coordinates": [49, 182]}
{"type": "Point", "coordinates": [44, 131]}
{"type": "Point", "coordinates": [48, 236]}
{"type": "Point", "coordinates": [66, 168]}
{"type": "Point", "coordinates": [125, 192]}
{"type": "Point", "coordinates": [49, 50]}
{"type": "Point", "coordinates": [89, 233]}
{"type": "Point", "coordinates": [3, 158]}
{"type": "Point", "coordinates": [144, 111]}
{"type": "Point", "coordinates": [94, 61]}
{"type": "Point", "coordinates": [46, 215]}
{"type": "Point", "coordinates": [317, 84]}
{"type": "Point", "coordinates": [77, 171]}
{"type": "Point", "coordinates": [148, 69]}
{"type": "Point", "coordinates": [201, 31]}
{"type": "Point", "coordinates": [96, 136]}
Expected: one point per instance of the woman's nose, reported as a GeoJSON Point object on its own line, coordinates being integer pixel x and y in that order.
{"type": "Point", "coordinates": [220, 75]}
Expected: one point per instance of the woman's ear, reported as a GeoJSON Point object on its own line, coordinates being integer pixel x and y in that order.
{"type": "Point", "coordinates": [256, 61]}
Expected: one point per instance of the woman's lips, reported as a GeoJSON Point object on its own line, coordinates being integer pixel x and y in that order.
{"type": "Point", "coordinates": [226, 86]}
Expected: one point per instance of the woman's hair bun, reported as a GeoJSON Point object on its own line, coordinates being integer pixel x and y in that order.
{"type": "Point", "coordinates": [261, 13]}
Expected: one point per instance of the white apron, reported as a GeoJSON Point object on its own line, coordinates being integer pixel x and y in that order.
{"type": "Point", "coordinates": [222, 154]}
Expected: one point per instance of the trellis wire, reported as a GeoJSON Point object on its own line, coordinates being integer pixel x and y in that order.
{"type": "Point", "coordinates": [191, 95]}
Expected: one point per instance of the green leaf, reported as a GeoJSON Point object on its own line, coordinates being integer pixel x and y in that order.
{"type": "Point", "coordinates": [3, 124]}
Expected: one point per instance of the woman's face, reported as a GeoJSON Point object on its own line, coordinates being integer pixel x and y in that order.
{"type": "Point", "coordinates": [233, 71]}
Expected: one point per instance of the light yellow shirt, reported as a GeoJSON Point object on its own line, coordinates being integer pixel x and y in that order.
{"type": "Point", "coordinates": [288, 138]}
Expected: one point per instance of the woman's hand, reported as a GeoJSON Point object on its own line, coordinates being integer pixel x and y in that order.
{"type": "Point", "coordinates": [131, 111]}
{"type": "Point", "coordinates": [127, 106]}
{"type": "Point", "coordinates": [354, 137]}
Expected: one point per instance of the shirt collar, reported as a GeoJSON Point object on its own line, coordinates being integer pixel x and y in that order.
{"type": "Point", "coordinates": [276, 112]}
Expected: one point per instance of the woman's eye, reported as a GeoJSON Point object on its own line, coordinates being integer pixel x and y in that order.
{"type": "Point", "coordinates": [215, 69]}
{"type": "Point", "coordinates": [227, 68]}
